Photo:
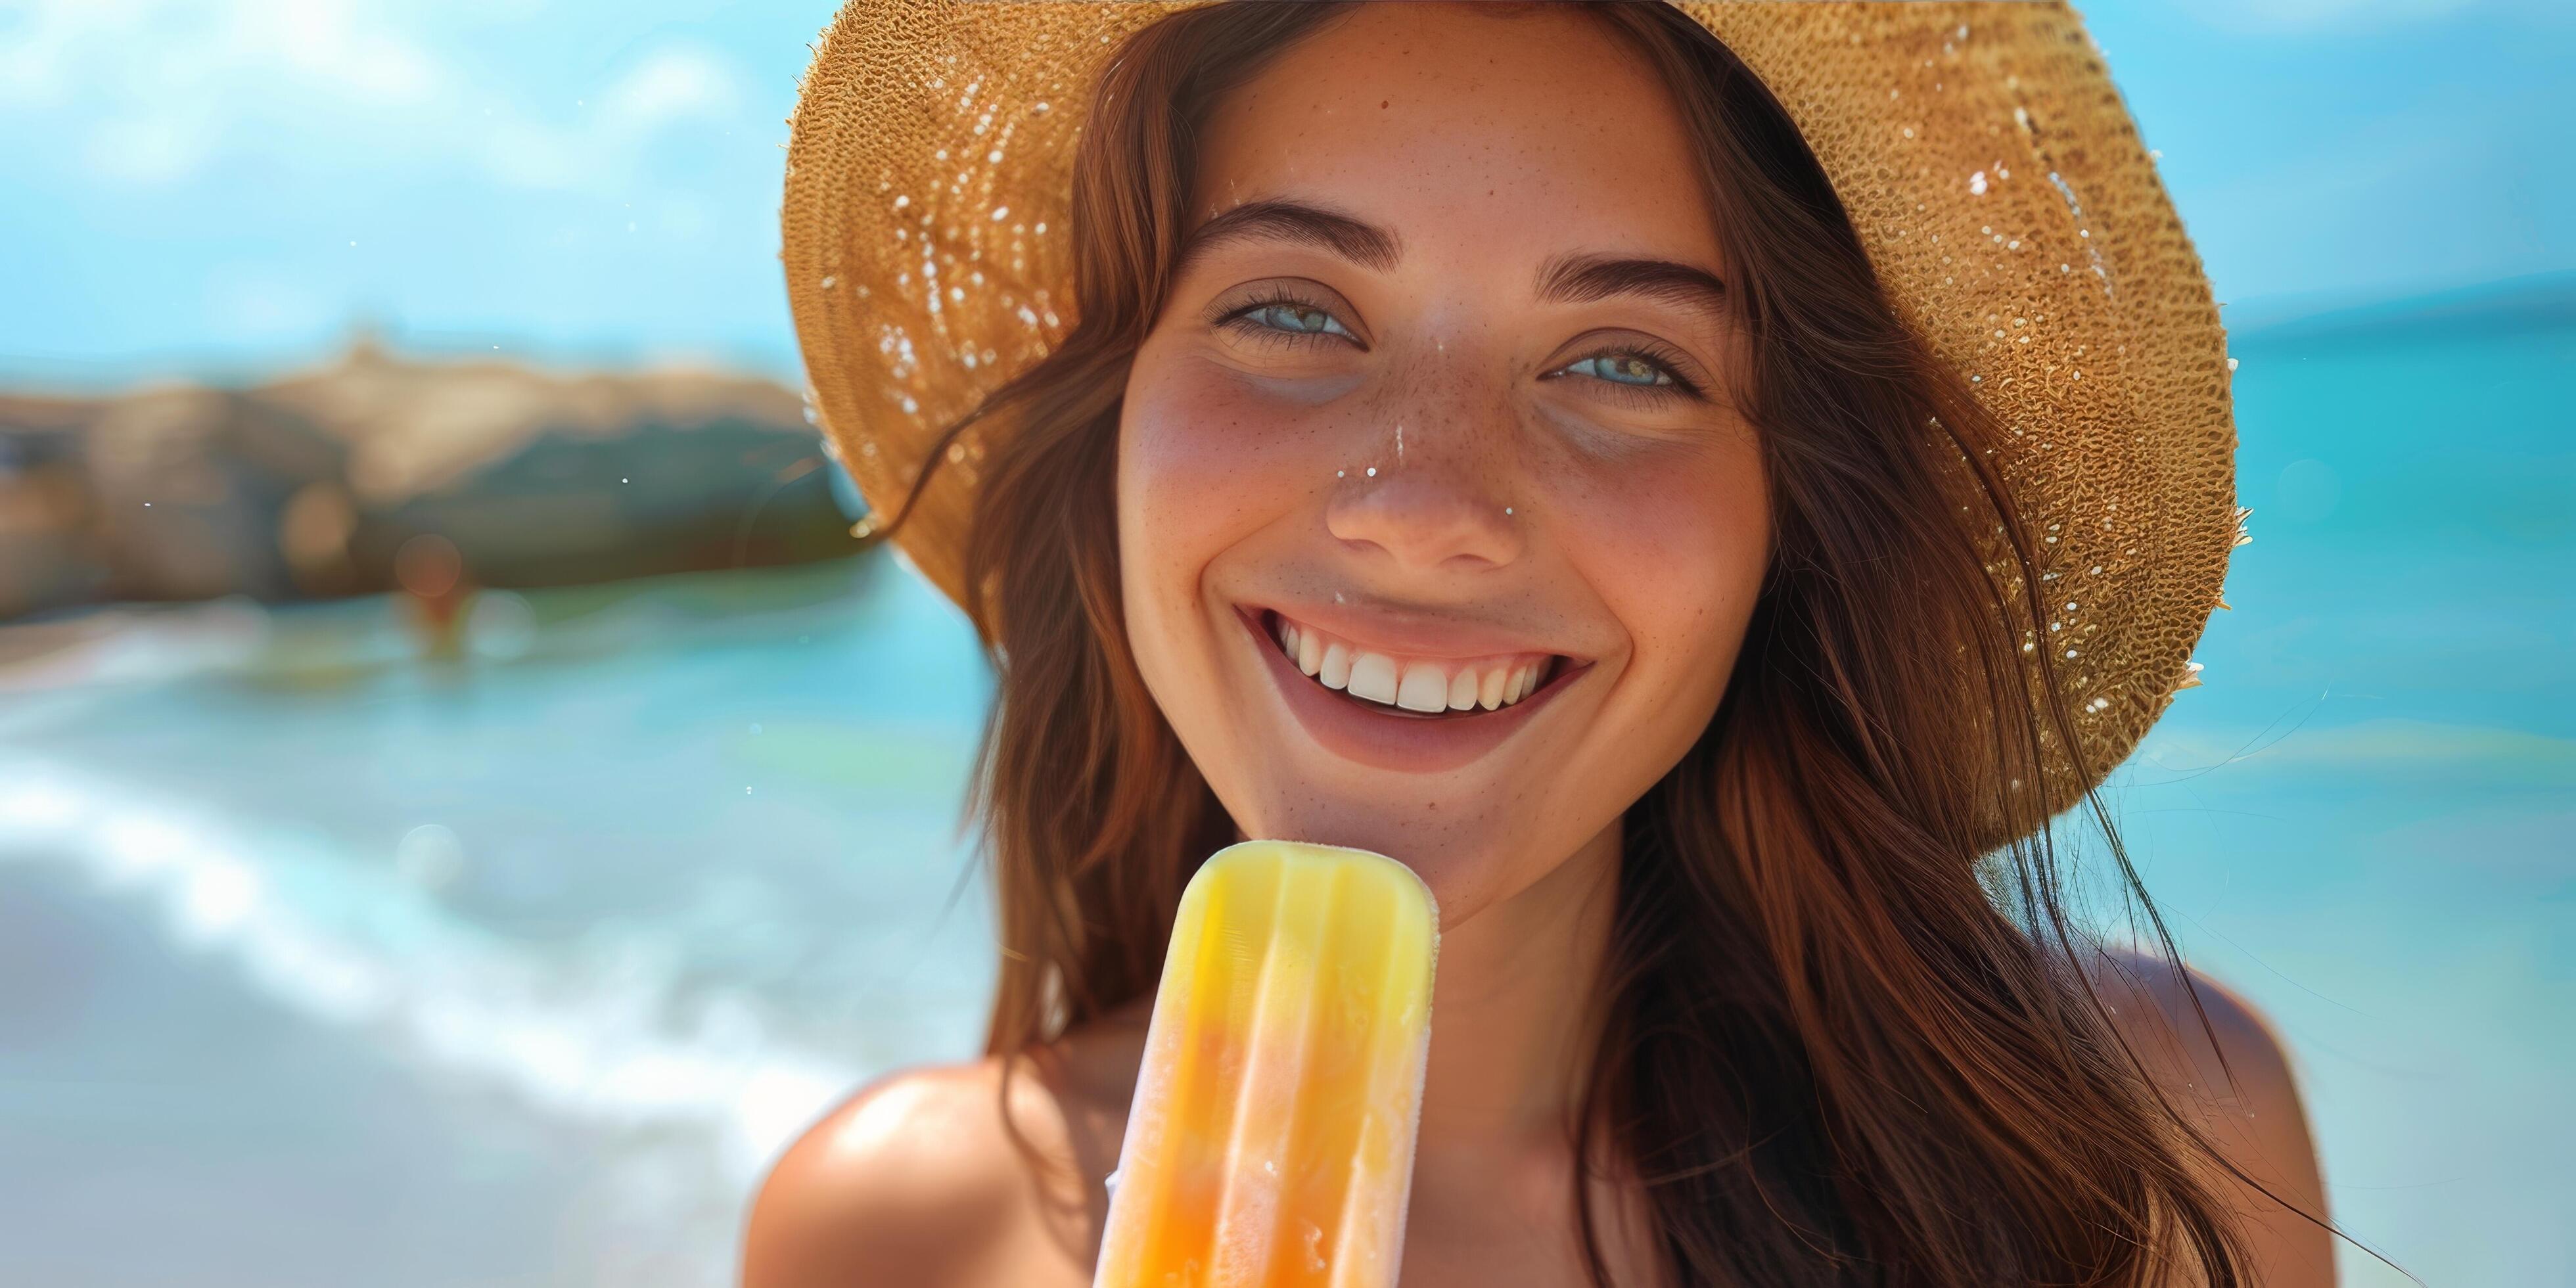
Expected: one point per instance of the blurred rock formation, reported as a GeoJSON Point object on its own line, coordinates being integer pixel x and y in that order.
{"type": "Point", "coordinates": [307, 485]}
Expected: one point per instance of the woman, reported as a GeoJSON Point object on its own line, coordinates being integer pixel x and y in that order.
{"type": "Point", "coordinates": [1492, 437]}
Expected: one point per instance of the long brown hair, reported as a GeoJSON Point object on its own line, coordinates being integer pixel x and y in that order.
{"type": "Point", "coordinates": [1838, 1041]}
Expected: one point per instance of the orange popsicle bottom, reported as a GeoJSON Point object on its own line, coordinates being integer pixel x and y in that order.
{"type": "Point", "coordinates": [1271, 1139]}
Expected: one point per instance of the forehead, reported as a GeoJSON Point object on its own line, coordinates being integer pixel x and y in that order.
{"type": "Point", "coordinates": [1466, 133]}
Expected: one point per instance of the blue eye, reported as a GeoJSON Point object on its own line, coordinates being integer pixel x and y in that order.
{"type": "Point", "coordinates": [1297, 318]}
{"type": "Point", "coordinates": [1638, 375]}
{"type": "Point", "coordinates": [1625, 369]}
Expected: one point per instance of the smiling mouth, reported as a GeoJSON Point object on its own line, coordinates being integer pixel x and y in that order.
{"type": "Point", "coordinates": [1426, 687]}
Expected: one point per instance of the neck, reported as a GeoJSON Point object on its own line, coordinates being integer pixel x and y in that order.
{"type": "Point", "coordinates": [1511, 1010]}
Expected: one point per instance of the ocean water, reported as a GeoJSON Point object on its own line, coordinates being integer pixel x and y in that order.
{"type": "Point", "coordinates": [2365, 820]}
{"type": "Point", "coordinates": [327, 966]}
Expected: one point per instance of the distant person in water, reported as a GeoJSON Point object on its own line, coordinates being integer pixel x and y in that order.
{"type": "Point", "coordinates": [435, 594]}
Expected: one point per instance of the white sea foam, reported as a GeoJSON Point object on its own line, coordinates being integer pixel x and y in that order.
{"type": "Point", "coordinates": [347, 944]}
{"type": "Point", "coordinates": [130, 645]}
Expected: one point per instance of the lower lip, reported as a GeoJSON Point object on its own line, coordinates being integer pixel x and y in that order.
{"type": "Point", "coordinates": [1396, 739]}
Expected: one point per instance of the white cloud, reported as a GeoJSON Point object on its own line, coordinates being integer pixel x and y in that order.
{"type": "Point", "coordinates": [37, 42]}
{"type": "Point", "coordinates": [331, 43]}
{"type": "Point", "coordinates": [670, 85]}
{"type": "Point", "coordinates": [157, 90]}
{"type": "Point", "coordinates": [148, 148]}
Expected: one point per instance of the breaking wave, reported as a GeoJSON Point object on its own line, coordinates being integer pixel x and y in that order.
{"type": "Point", "coordinates": [363, 948]}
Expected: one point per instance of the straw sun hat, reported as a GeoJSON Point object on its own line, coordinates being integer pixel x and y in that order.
{"type": "Point", "coordinates": [1980, 149]}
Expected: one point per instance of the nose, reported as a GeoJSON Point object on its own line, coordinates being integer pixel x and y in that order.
{"type": "Point", "coordinates": [1432, 505]}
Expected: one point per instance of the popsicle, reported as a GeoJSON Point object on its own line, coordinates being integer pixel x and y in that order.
{"type": "Point", "coordinates": [1271, 1138]}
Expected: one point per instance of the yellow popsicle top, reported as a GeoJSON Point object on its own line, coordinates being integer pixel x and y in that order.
{"type": "Point", "coordinates": [1271, 1138]}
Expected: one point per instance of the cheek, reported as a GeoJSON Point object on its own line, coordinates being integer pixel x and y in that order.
{"type": "Point", "coordinates": [1677, 551]}
{"type": "Point", "coordinates": [1203, 461]}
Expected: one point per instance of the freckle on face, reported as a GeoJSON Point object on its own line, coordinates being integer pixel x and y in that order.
{"type": "Point", "coordinates": [1574, 523]}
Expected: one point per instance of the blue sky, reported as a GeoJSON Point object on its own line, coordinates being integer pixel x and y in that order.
{"type": "Point", "coordinates": [223, 188]}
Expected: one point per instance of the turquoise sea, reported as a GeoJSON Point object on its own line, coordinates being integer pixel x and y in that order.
{"type": "Point", "coordinates": [323, 966]}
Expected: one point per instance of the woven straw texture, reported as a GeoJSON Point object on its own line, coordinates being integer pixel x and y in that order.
{"type": "Point", "coordinates": [1983, 154]}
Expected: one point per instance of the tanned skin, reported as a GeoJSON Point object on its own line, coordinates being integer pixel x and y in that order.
{"type": "Point", "coordinates": [1530, 499]}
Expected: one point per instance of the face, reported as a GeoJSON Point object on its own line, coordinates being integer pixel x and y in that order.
{"type": "Point", "coordinates": [1438, 531]}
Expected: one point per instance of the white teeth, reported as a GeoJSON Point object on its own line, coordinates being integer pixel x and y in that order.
{"type": "Point", "coordinates": [1424, 689]}
{"type": "Point", "coordinates": [1424, 685]}
{"type": "Point", "coordinates": [1373, 678]}
{"type": "Point", "coordinates": [1462, 690]}
{"type": "Point", "coordinates": [1335, 670]}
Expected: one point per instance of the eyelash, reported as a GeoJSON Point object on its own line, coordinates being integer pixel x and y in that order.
{"type": "Point", "coordinates": [1240, 317]}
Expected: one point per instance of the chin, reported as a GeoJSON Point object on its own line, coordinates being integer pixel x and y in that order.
{"type": "Point", "coordinates": [1471, 857]}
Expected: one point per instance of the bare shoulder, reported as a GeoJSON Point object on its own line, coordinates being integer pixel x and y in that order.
{"type": "Point", "coordinates": [912, 1180]}
{"type": "Point", "coordinates": [2232, 1077]}
{"type": "Point", "coordinates": [959, 1176]}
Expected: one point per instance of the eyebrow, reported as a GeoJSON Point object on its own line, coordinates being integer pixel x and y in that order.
{"type": "Point", "coordinates": [1297, 223]}
{"type": "Point", "coordinates": [1579, 279]}
{"type": "Point", "coordinates": [1568, 278]}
